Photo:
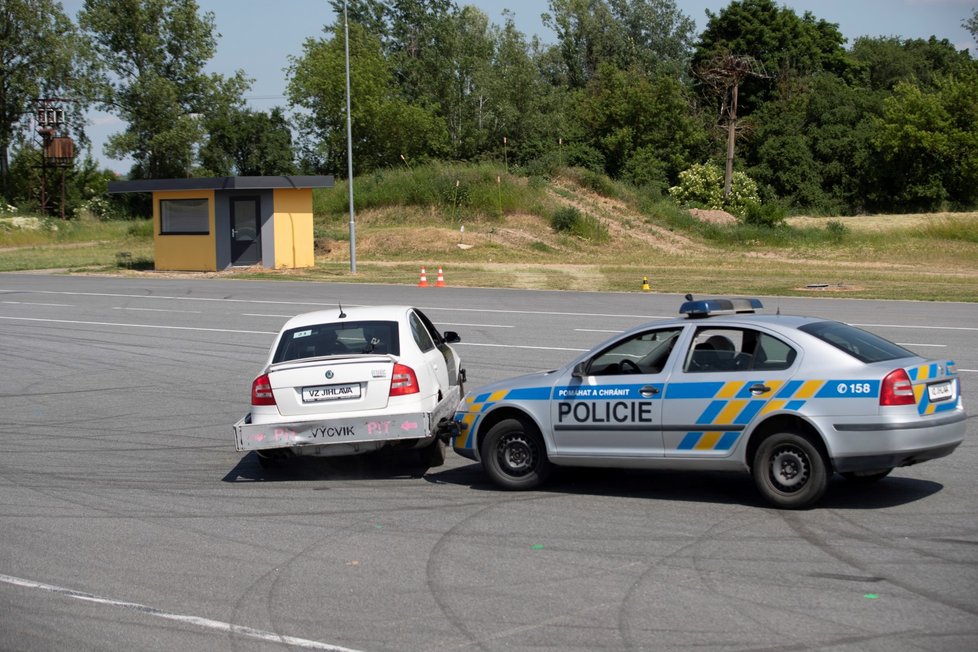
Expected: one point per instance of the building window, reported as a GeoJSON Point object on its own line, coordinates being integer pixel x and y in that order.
{"type": "Point", "coordinates": [184, 216]}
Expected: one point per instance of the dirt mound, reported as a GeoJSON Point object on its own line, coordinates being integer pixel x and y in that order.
{"type": "Point", "coordinates": [713, 216]}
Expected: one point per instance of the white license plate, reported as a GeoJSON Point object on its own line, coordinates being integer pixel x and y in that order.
{"type": "Point", "coordinates": [330, 393]}
{"type": "Point", "coordinates": [939, 391]}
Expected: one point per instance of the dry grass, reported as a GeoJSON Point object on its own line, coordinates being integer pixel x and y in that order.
{"type": "Point", "coordinates": [927, 257]}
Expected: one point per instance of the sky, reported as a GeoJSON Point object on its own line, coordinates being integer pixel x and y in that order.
{"type": "Point", "coordinates": [259, 36]}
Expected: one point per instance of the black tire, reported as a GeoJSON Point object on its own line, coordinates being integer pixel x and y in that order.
{"type": "Point", "coordinates": [433, 454]}
{"type": "Point", "coordinates": [514, 455]}
{"type": "Point", "coordinates": [865, 477]}
{"type": "Point", "coordinates": [790, 471]}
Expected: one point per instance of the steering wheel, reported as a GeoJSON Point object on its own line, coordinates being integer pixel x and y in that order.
{"type": "Point", "coordinates": [629, 367]}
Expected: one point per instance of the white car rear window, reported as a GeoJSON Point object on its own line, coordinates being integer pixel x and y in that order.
{"type": "Point", "coordinates": [346, 338]}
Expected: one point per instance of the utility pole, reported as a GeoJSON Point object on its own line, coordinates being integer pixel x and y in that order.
{"type": "Point", "coordinates": [56, 151]}
{"type": "Point", "coordinates": [349, 146]}
{"type": "Point", "coordinates": [724, 74]}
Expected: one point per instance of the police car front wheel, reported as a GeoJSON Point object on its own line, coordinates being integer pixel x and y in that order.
{"type": "Point", "coordinates": [514, 455]}
{"type": "Point", "coordinates": [790, 471]}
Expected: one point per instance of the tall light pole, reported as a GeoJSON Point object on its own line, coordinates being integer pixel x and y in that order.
{"type": "Point", "coordinates": [349, 146]}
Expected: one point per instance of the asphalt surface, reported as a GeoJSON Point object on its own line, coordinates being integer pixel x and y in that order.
{"type": "Point", "coordinates": [128, 521]}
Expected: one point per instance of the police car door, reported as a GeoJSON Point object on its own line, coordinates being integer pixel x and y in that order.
{"type": "Point", "coordinates": [728, 376]}
{"type": "Point", "coordinates": [610, 405]}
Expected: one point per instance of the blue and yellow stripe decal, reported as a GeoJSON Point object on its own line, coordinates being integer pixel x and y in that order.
{"type": "Point", "coordinates": [920, 377]}
{"type": "Point", "coordinates": [733, 406]}
{"type": "Point", "coordinates": [475, 406]}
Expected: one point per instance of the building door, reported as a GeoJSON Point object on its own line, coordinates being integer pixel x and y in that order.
{"type": "Point", "coordinates": [245, 231]}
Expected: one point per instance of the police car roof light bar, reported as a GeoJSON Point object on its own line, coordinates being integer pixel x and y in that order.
{"type": "Point", "coordinates": [719, 306]}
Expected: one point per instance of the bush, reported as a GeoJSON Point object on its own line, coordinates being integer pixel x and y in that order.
{"type": "Point", "coordinates": [836, 229]}
{"type": "Point", "coordinates": [565, 219]}
{"type": "Point", "coordinates": [771, 214]}
{"type": "Point", "coordinates": [701, 186]}
{"type": "Point", "coordinates": [571, 221]}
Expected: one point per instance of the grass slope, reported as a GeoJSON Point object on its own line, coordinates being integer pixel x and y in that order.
{"type": "Point", "coordinates": [573, 230]}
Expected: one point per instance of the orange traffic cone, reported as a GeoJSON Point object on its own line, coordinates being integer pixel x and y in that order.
{"type": "Point", "coordinates": [424, 279]}
{"type": "Point", "coordinates": [440, 281]}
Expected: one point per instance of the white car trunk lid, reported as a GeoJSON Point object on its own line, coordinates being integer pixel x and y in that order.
{"type": "Point", "coordinates": [331, 385]}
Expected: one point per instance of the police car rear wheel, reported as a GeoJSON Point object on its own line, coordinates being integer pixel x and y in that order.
{"type": "Point", "coordinates": [790, 471]}
{"type": "Point", "coordinates": [514, 455]}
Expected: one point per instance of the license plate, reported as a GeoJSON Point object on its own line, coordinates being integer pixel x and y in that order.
{"type": "Point", "coordinates": [330, 393]}
{"type": "Point", "coordinates": [939, 391]}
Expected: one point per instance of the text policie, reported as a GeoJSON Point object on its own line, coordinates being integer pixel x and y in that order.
{"type": "Point", "coordinates": [600, 412]}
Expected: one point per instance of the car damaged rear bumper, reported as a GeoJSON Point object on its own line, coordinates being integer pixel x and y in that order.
{"type": "Point", "coordinates": [249, 436]}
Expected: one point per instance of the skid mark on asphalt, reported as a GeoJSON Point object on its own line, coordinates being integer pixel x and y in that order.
{"type": "Point", "coordinates": [206, 623]}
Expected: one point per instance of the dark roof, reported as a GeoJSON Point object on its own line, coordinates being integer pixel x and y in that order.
{"type": "Point", "coordinates": [222, 183]}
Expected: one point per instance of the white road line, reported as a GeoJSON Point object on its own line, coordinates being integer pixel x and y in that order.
{"type": "Point", "coordinates": [516, 346]}
{"type": "Point", "coordinates": [595, 330]}
{"type": "Point", "coordinates": [30, 303]}
{"type": "Point", "coordinates": [107, 323]}
{"type": "Point", "coordinates": [194, 312]}
{"type": "Point", "coordinates": [206, 623]}
{"type": "Point", "coordinates": [335, 303]}
{"type": "Point", "coordinates": [445, 323]}
{"type": "Point", "coordinates": [936, 328]}
{"type": "Point", "coordinates": [255, 314]}
{"type": "Point", "coordinates": [226, 330]}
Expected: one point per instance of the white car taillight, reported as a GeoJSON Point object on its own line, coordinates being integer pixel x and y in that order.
{"type": "Point", "coordinates": [261, 391]}
{"type": "Point", "coordinates": [403, 381]}
{"type": "Point", "coordinates": [897, 389]}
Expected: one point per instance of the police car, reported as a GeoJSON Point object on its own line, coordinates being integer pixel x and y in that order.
{"type": "Point", "coordinates": [789, 399]}
{"type": "Point", "coordinates": [346, 382]}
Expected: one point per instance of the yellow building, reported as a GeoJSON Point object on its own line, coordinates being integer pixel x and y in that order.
{"type": "Point", "coordinates": [210, 224]}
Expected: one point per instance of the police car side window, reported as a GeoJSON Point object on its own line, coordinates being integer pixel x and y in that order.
{"type": "Point", "coordinates": [644, 353]}
{"type": "Point", "coordinates": [772, 354]}
{"type": "Point", "coordinates": [737, 349]}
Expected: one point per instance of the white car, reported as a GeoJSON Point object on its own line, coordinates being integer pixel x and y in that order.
{"type": "Point", "coordinates": [351, 381]}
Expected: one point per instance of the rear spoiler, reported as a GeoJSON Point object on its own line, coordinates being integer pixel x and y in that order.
{"type": "Point", "coordinates": [332, 359]}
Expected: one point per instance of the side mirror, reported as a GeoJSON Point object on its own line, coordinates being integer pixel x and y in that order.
{"type": "Point", "coordinates": [580, 370]}
{"type": "Point", "coordinates": [451, 337]}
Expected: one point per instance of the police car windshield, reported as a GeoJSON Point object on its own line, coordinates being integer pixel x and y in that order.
{"type": "Point", "coordinates": [860, 344]}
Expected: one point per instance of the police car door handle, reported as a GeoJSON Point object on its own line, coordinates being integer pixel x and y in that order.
{"type": "Point", "coordinates": [648, 390]}
{"type": "Point", "coordinates": [759, 388]}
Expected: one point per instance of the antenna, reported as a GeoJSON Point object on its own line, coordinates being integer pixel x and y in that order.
{"type": "Point", "coordinates": [342, 314]}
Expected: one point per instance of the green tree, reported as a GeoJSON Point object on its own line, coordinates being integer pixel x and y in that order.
{"type": "Point", "coordinates": [155, 51]}
{"type": "Point", "coordinates": [248, 143]}
{"type": "Point", "coordinates": [783, 43]}
{"type": "Point", "coordinates": [466, 108]}
{"type": "Point", "coordinates": [928, 143]}
{"type": "Point", "coordinates": [971, 24]}
{"type": "Point", "coordinates": [840, 127]}
{"type": "Point", "coordinates": [518, 104]}
{"type": "Point", "coordinates": [41, 55]}
{"type": "Point", "coordinates": [628, 114]}
{"type": "Point", "coordinates": [883, 62]}
{"type": "Point", "coordinates": [384, 125]}
{"type": "Point", "coordinates": [781, 159]}
{"type": "Point", "coordinates": [650, 35]}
